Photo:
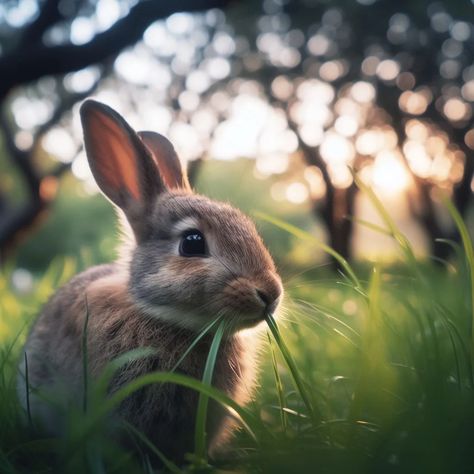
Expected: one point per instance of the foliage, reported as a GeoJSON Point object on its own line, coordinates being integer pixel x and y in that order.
{"type": "Point", "coordinates": [373, 85]}
{"type": "Point", "coordinates": [386, 87]}
{"type": "Point", "coordinates": [40, 43]}
{"type": "Point", "coordinates": [374, 375]}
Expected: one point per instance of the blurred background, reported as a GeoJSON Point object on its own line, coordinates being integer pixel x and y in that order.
{"type": "Point", "coordinates": [270, 103]}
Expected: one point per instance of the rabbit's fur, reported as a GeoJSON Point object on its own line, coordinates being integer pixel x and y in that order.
{"type": "Point", "coordinates": [157, 298]}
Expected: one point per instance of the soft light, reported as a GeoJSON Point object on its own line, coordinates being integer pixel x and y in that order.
{"type": "Point", "coordinates": [297, 193]}
{"type": "Point", "coordinates": [455, 109]}
{"type": "Point", "coordinates": [346, 125]}
{"type": "Point", "coordinates": [272, 164]}
{"type": "Point", "coordinates": [363, 92]}
{"type": "Point", "coordinates": [336, 149]}
{"type": "Point", "coordinates": [388, 70]}
{"type": "Point", "coordinates": [389, 174]}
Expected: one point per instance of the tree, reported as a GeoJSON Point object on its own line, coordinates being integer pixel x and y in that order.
{"type": "Point", "coordinates": [42, 49]}
{"type": "Point", "coordinates": [384, 87]}
{"type": "Point", "coordinates": [409, 62]}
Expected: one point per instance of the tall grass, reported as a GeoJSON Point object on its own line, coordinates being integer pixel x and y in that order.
{"type": "Point", "coordinates": [367, 371]}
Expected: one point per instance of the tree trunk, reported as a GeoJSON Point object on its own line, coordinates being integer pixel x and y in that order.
{"type": "Point", "coordinates": [337, 212]}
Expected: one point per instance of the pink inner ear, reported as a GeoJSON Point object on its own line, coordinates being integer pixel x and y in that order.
{"type": "Point", "coordinates": [166, 160]}
{"type": "Point", "coordinates": [115, 155]}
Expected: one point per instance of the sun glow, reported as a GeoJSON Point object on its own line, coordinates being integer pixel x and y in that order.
{"type": "Point", "coordinates": [389, 175]}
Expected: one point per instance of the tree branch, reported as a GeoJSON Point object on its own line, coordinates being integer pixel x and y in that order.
{"type": "Point", "coordinates": [66, 103]}
{"type": "Point", "coordinates": [48, 16]}
{"type": "Point", "coordinates": [35, 61]}
{"type": "Point", "coordinates": [19, 158]}
{"type": "Point", "coordinates": [17, 219]}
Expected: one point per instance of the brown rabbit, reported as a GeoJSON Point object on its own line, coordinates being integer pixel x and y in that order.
{"type": "Point", "coordinates": [191, 260]}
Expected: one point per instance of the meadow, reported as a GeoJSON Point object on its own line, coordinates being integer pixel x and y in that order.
{"type": "Point", "coordinates": [368, 369]}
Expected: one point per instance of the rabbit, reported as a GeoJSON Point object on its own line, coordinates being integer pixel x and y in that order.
{"type": "Point", "coordinates": [190, 260]}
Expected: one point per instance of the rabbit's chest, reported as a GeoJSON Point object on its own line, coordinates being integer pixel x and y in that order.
{"type": "Point", "coordinates": [228, 370]}
{"type": "Point", "coordinates": [160, 409]}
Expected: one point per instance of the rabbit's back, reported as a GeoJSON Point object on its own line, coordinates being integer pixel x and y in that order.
{"type": "Point", "coordinates": [53, 348]}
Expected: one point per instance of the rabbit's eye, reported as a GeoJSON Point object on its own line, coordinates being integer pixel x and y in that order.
{"type": "Point", "coordinates": [193, 244]}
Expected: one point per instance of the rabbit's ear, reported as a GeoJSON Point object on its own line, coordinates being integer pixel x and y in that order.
{"type": "Point", "coordinates": [169, 165]}
{"type": "Point", "coordinates": [120, 163]}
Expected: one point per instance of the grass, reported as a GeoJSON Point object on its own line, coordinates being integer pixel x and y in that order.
{"type": "Point", "coordinates": [370, 370]}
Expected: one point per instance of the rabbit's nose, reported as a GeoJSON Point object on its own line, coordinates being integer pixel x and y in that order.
{"type": "Point", "coordinates": [263, 297]}
{"type": "Point", "coordinates": [269, 294]}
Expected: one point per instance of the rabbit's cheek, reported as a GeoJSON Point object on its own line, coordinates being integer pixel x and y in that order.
{"type": "Point", "coordinates": [178, 283]}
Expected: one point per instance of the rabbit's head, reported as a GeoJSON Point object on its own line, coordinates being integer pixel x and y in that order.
{"type": "Point", "coordinates": [195, 259]}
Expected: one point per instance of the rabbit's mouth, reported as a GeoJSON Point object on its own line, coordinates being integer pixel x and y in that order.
{"type": "Point", "coordinates": [244, 320]}
{"type": "Point", "coordinates": [252, 299]}
{"type": "Point", "coordinates": [250, 321]}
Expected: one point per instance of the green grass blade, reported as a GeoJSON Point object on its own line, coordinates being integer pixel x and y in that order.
{"type": "Point", "coordinates": [201, 414]}
{"type": "Point", "coordinates": [392, 229]}
{"type": "Point", "coordinates": [194, 343]}
{"type": "Point", "coordinates": [326, 312]}
{"type": "Point", "coordinates": [7, 352]}
{"type": "Point", "coordinates": [85, 368]}
{"type": "Point", "coordinates": [27, 390]}
{"type": "Point", "coordinates": [172, 467]}
{"type": "Point", "coordinates": [464, 350]}
{"type": "Point", "coordinates": [279, 385]}
{"type": "Point", "coordinates": [465, 237]}
{"type": "Point", "coordinates": [102, 382]}
{"type": "Point", "coordinates": [373, 365]}
{"type": "Point", "coordinates": [249, 421]}
{"type": "Point", "coordinates": [456, 357]}
{"type": "Point", "coordinates": [370, 225]}
{"type": "Point", "coordinates": [298, 381]}
{"type": "Point", "coordinates": [468, 249]}
{"type": "Point", "coordinates": [293, 230]}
